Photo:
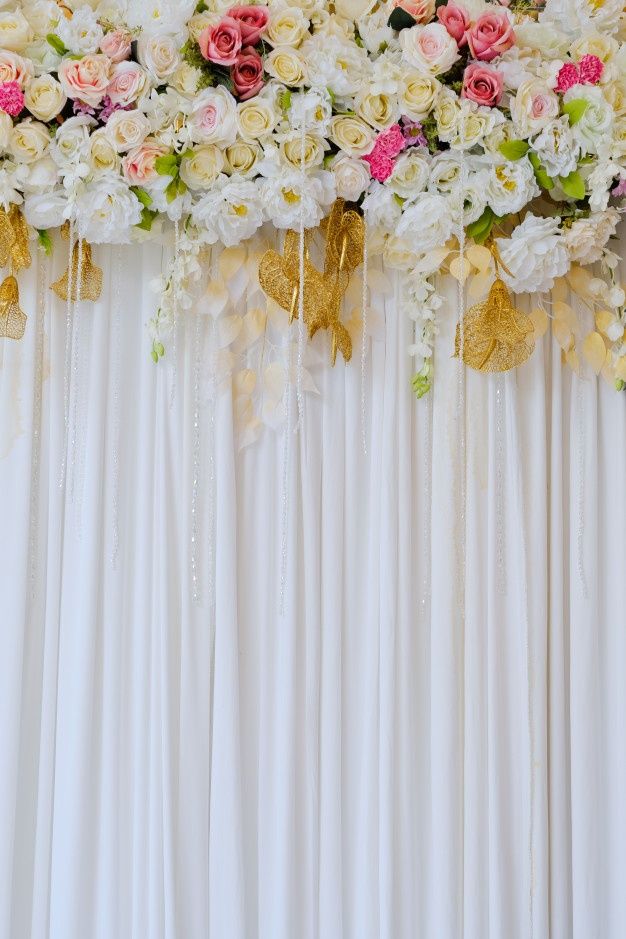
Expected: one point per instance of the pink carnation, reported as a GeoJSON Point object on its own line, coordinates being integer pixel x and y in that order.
{"type": "Point", "coordinates": [11, 98]}
{"type": "Point", "coordinates": [591, 69]}
{"type": "Point", "coordinates": [390, 142]}
{"type": "Point", "coordinates": [381, 166]}
{"type": "Point", "coordinates": [568, 77]}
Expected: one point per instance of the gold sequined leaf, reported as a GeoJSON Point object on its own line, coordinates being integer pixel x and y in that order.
{"type": "Point", "coordinates": [12, 318]}
{"type": "Point", "coordinates": [496, 337]}
{"type": "Point", "coordinates": [86, 285]}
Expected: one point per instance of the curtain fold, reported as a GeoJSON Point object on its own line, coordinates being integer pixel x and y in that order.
{"type": "Point", "coordinates": [425, 741]}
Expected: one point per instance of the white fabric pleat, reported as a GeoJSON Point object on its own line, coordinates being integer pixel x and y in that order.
{"type": "Point", "coordinates": [393, 757]}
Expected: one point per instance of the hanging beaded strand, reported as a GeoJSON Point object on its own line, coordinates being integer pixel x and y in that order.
{"type": "Point", "coordinates": [285, 483]}
{"type": "Point", "coordinates": [174, 374]}
{"type": "Point", "coordinates": [301, 335]}
{"type": "Point", "coordinates": [33, 534]}
{"type": "Point", "coordinates": [500, 457]}
{"type": "Point", "coordinates": [580, 445]}
{"type": "Point", "coordinates": [364, 304]}
{"type": "Point", "coordinates": [68, 358]}
{"type": "Point", "coordinates": [117, 372]}
{"type": "Point", "coordinates": [76, 342]}
{"type": "Point", "coordinates": [196, 443]}
{"type": "Point", "coordinates": [211, 587]}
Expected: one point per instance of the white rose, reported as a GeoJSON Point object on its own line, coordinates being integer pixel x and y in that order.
{"type": "Point", "coordinates": [542, 37]}
{"type": "Point", "coordinates": [534, 256]}
{"type": "Point", "coordinates": [43, 175]}
{"type": "Point", "coordinates": [127, 129]}
{"type": "Point", "coordinates": [556, 148]}
{"type": "Point", "coordinates": [12, 177]}
{"type": "Point", "coordinates": [534, 106]}
{"type": "Point", "coordinates": [71, 142]}
{"type": "Point", "coordinates": [213, 118]}
{"type": "Point", "coordinates": [427, 223]}
{"type": "Point", "coordinates": [159, 55]}
{"type": "Point", "coordinates": [29, 141]}
{"type": "Point", "coordinates": [44, 97]}
{"type": "Point", "coordinates": [431, 48]}
{"type": "Point", "coordinates": [185, 79]}
{"type": "Point", "coordinates": [411, 173]}
{"type": "Point", "coordinates": [287, 26]}
{"type": "Point", "coordinates": [352, 177]}
{"type": "Point", "coordinates": [15, 68]}
{"type": "Point", "coordinates": [103, 155]}
{"type": "Point", "coordinates": [256, 118]}
{"type": "Point", "coordinates": [6, 131]}
{"type": "Point", "coordinates": [230, 213]}
{"type": "Point", "coordinates": [106, 210]}
{"type": "Point", "coordinates": [15, 31]}
{"type": "Point", "coordinates": [46, 209]}
{"type": "Point", "coordinates": [593, 130]}
{"type": "Point", "coordinates": [352, 135]}
{"type": "Point", "coordinates": [418, 94]}
{"type": "Point", "coordinates": [447, 114]}
{"type": "Point", "coordinates": [335, 63]}
{"type": "Point", "coordinates": [82, 33]}
{"type": "Point", "coordinates": [594, 43]}
{"type": "Point", "coordinates": [43, 15]}
{"type": "Point", "coordinates": [201, 167]}
{"type": "Point", "coordinates": [380, 110]}
{"type": "Point", "coordinates": [511, 186]}
{"type": "Point", "coordinates": [242, 158]}
{"type": "Point", "coordinates": [287, 65]}
{"type": "Point", "coordinates": [586, 238]}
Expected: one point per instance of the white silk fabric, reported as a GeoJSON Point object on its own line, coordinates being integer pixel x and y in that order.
{"type": "Point", "coordinates": [427, 742]}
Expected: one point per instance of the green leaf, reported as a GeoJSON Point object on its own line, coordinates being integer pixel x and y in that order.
{"type": "Point", "coordinates": [166, 165]}
{"type": "Point", "coordinates": [154, 355]}
{"type": "Point", "coordinates": [56, 44]}
{"type": "Point", "coordinates": [144, 197]}
{"type": "Point", "coordinates": [575, 109]}
{"type": "Point", "coordinates": [399, 199]}
{"type": "Point", "coordinates": [480, 230]}
{"type": "Point", "coordinates": [400, 19]}
{"type": "Point", "coordinates": [181, 186]}
{"type": "Point", "coordinates": [171, 192]}
{"type": "Point", "coordinates": [541, 175]}
{"type": "Point", "coordinates": [45, 241]}
{"type": "Point", "coordinates": [573, 185]}
{"type": "Point", "coordinates": [285, 100]}
{"type": "Point", "coordinates": [201, 7]}
{"type": "Point", "coordinates": [160, 349]}
{"type": "Point", "coordinates": [147, 218]}
{"type": "Point", "coordinates": [514, 149]}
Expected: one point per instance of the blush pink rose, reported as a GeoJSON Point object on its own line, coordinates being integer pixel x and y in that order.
{"type": "Point", "coordinates": [490, 36]}
{"type": "Point", "coordinates": [86, 79]}
{"type": "Point", "coordinates": [482, 84]}
{"type": "Point", "coordinates": [247, 74]}
{"type": "Point", "coordinates": [252, 21]}
{"type": "Point", "coordinates": [221, 43]}
{"type": "Point", "coordinates": [456, 19]}
{"type": "Point", "coordinates": [11, 99]}
{"type": "Point", "coordinates": [139, 164]}
{"type": "Point", "coordinates": [127, 83]}
{"type": "Point", "coordinates": [422, 11]}
{"type": "Point", "coordinates": [116, 45]}
{"type": "Point", "coordinates": [13, 68]}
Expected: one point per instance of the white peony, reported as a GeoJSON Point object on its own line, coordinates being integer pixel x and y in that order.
{"type": "Point", "coordinates": [82, 33]}
{"type": "Point", "coordinates": [12, 176]}
{"type": "Point", "coordinates": [427, 223]}
{"type": "Point", "coordinates": [381, 208]}
{"type": "Point", "coordinates": [586, 238]}
{"type": "Point", "coordinates": [511, 186]}
{"type": "Point", "coordinates": [44, 16]}
{"type": "Point", "coordinates": [46, 209]}
{"type": "Point", "coordinates": [230, 213]}
{"type": "Point", "coordinates": [352, 177]}
{"type": "Point", "coordinates": [556, 148]}
{"type": "Point", "coordinates": [43, 175]}
{"type": "Point", "coordinates": [534, 256]}
{"type": "Point", "coordinates": [287, 200]}
{"type": "Point", "coordinates": [106, 210]}
{"type": "Point", "coordinates": [335, 64]}
{"type": "Point", "coordinates": [15, 31]}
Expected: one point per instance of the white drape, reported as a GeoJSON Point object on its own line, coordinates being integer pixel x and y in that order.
{"type": "Point", "coordinates": [429, 742]}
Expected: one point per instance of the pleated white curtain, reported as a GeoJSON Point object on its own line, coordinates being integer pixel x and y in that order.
{"type": "Point", "coordinates": [428, 743]}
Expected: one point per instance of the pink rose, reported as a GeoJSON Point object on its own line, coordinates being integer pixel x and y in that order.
{"type": "Point", "coordinates": [568, 77]}
{"type": "Point", "coordinates": [490, 36]}
{"type": "Point", "coordinates": [591, 69]}
{"type": "Point", "coordinates": [127, 83]}
{"type": "Point", "coordinates": [116, 45]}
{"type": "Point", "coordinates": [86, 79]}
{"type": "Point", "coordinates": [11, 99]}
{"type": "Point", "coordinates": [252, 21]}
{"type": "Point", "coordinates": [456, 20]}
{"type": "Point", "coordinates": [13, 68]}
{"type": "Point", "coordinates": [422, 11]}
{"type": "Point", "coordinates": [482, 84]}
{"type": "Point", "coordinates": [221, 43]}
{"type": "Point", "coordinates": [247, 74]}
{"type": "Point", "coordinates": [139, 164]}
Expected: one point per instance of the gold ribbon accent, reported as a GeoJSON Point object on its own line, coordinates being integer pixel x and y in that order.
{"type": "Point", "coordinates": [496, 336]}
{"type": "Point", "coordinates": [89, 278]}
{"type": "Point", "coordinates": [323, 291]}
{"type": "Point", "coordinates": [14, 247]}
{"type": "Point", "coordinates": [12, 318]}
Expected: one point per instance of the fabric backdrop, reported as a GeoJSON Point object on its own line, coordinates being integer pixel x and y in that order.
{"type": "Point", "coordinates": [427, 742]}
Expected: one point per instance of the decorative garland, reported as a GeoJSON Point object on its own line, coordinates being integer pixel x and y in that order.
{"type": "Point", "coordinates": [121, 119]}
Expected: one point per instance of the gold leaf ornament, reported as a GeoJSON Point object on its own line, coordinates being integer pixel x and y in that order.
{"type": "Point", "coordinates": [12, 317]}
{"type": "Point", "coordinates": [86, 276]}
{"type": "Point", "coordinates": [496, 337]}
{"type": "Point", "coordinates": [14, 247]}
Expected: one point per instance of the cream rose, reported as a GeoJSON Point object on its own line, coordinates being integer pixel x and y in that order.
{"type": "Point", "coordinates": [202, 166]}
{"type": "Point", "coordinates": [447, 114]}
{"type": "Point", "coordinates": [71, 143]}
{"type": "Point", "coordinates": [159, 55]}
{"type": "Point", "coordinates": [429, 48]}
{"type": "Point", "coordinates": [242, 157]}
{"type": "Point", "coordinates": [594, 43]}
{"type": "Point", "coordinates": [418, 94]}
{"type": "Point", "coordinates": [86, 79]}
{"type": "Point", "coordinates": [185, 79]}
{"type": "Point", "coordinates": [378, 109]}
{"type": "Point", "coordinates": [15, 31]}
{"type": "Point", "coordinates": [292, 151]}
{"type": "Point", "coordinates": [13, 68]}
{"type": "Point", "coordinates": [352, 135]}
{"type": "Point", "coordinates": [6, 130]}
{"type": "Point", "coordinates": [199, 22]}
{"type": "Point", "coordinates": [29, 141]}
{"type": "Point", "coordinates": [127, 129]}
{"type": "Point", "coordinates": [287, 26]}
{"type": "Point", "coordinates": [103, 157]}
{"type": "Point", "coordinates": [352, 177]}
{"type": "Point", "coordinates": [410, 174]}
{"type": "Point", "coordinates": [43, 16]}
{"type": "Point", "coordinates": [287, 65]}
{"type": "Point", "coordinates": [256, 118]}
{"type": "Point", "coordinates": [44, 97]}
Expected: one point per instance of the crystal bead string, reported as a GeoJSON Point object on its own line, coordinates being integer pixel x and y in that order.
{"type": "Point", "coordinates": [364, 303]}
{"type": "Point", "coordinates": [174, 374]}
{"type": "Point", "coordinates": [117, 371]}
{"type": "Point", "coordinates": [301, 337]}
{"type": "Point", "coordinates": [285, 482]}
{"type": "Point", "coordinates": [499, 493]}
{"type": "Point", "coordinates": [68, 359]}
{"type": "Point", "coordinates": [33, 534]}
{"type": "Point", "coordinates": [211, 585]}
{"type": "Point", "coordinates": [580, 445]}
{"type": "Point", "coordinates": [196, 441]}
{"type": "Point", "coordinates": [427, 453]}
{"type": "Point", "coordinates": [76, 342]}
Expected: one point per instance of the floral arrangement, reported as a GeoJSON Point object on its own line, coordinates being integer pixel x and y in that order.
{"type": "Point", "coordinates": [476, 137]}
